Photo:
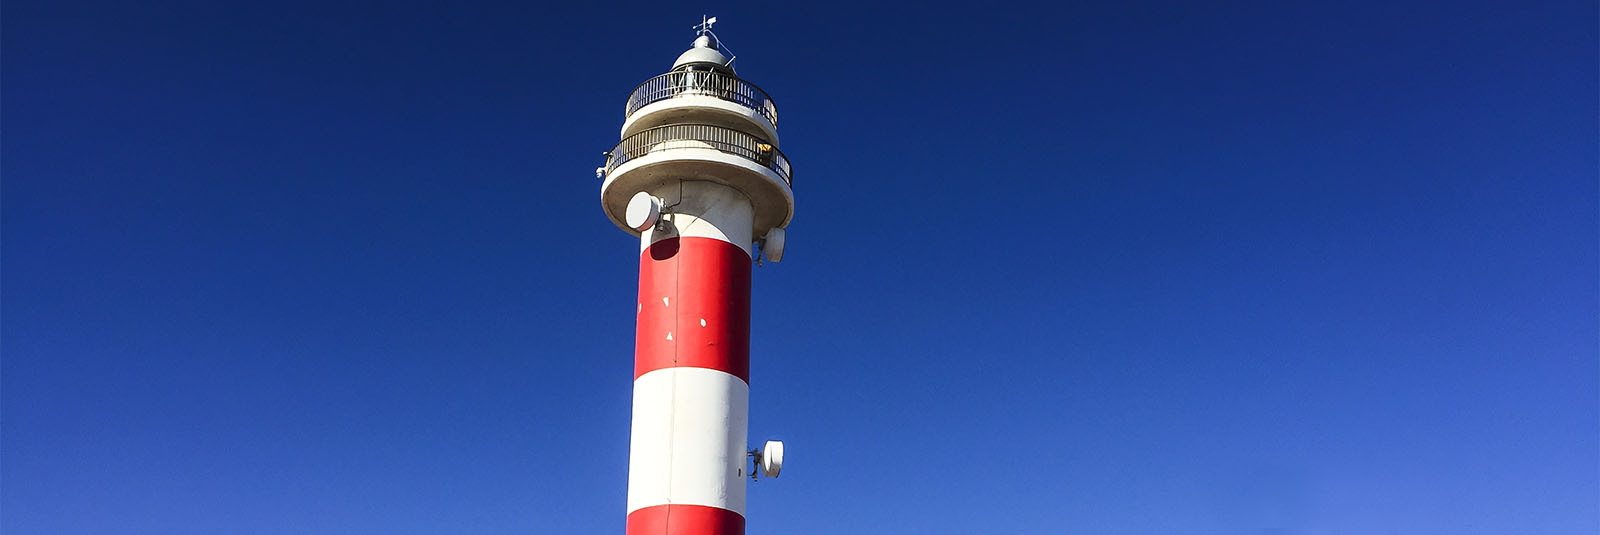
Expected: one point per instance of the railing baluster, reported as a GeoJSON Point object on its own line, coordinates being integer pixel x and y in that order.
{"type": "Point", "coordinates": [719, 138]}
{"type": "Point", "coordinates": [716, 84]}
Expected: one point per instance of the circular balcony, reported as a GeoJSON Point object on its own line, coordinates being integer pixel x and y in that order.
{"type": "Point", "coordinates": [663, 155]}
{"type": "Point", "coordinates": [680, 96]}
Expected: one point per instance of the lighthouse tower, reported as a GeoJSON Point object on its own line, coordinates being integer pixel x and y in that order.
{"type": "Point", "coordinates": [698, 177]}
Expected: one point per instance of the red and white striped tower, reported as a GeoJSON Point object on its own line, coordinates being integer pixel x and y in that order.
{"type": "Point", "coordinates": [699, 178]}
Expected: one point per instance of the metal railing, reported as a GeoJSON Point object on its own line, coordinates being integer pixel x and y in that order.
{"type": "Point", "coordinates": [701, 136]}
{"type": "Point", "coordinates": [705, 83]}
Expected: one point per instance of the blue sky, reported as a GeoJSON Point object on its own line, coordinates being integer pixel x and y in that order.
{"type": "Point", "coordinates": [1111, 268]}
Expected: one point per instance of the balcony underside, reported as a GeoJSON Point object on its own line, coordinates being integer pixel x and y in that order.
{"type": "Point", "coordinates": [703, 109]}
{"type": "Point", "coordinates": [771, 198]}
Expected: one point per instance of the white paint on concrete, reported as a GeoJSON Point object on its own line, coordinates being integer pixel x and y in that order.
{"type": "Point", "coordinates": [691, 108]}
{"type": "Point", "coordinates": [706, 210]}
{"type": "Point", "coordinates": [688, 442]}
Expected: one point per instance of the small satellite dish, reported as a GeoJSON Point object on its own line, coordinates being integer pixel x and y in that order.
{"type": "Point", "coordinates": [643, 211]}
{"type": "Point", "coordinates": [772, 245]}
{"type": "Point", "coordinates": [772, 458]}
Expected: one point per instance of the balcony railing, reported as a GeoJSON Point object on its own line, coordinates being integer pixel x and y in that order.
{"type": "Point", "coordinates": [701, 136]}
{"type": "Point", "coordinates": [705, 83]}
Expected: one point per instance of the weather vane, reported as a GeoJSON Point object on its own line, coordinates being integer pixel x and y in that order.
{"type": "Point", "coordinates": [705, 24]}
{"type": "Point", "coordinates": [710, 38]}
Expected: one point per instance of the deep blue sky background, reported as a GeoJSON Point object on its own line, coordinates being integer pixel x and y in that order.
{"type": "Point", "coordinates": [1115, 268]}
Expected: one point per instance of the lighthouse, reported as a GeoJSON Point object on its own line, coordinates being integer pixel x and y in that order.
{"type": "Point", "coordinates": [699, 179]}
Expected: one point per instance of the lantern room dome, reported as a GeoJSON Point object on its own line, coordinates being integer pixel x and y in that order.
{"type": "Point", "coordinates": [704, 54]}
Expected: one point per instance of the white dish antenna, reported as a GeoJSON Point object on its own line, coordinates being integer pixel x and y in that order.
{"type": "Point", "coordinates": [643, 211]}
{"type": "Point", "coordinates": [772, 245]}
{"type": "Point", "coordinates": [772, 458]}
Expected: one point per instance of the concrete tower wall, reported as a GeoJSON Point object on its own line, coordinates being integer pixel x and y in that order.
{"type": "Point", "coordinates": [691, 393]}
{"type": "Point", "coordinates": [699, 149]}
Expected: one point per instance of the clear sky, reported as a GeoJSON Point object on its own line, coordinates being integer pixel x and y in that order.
{"type": "Point", "coordinates": [1112, 268]}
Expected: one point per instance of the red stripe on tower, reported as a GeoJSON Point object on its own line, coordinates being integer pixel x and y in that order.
{"type": "Point", "coordinates": [685, 520]}
{"type": "Point", "coordinates": [694, 307]}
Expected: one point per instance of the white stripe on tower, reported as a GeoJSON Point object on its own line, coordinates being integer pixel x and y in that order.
{"type": "Point", "coordinates": [691, 393]}
{"type": "Point", "coordinates": [703, 209]}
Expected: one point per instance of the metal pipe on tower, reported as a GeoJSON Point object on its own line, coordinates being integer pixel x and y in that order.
{"type": "Point", "coordinates": [698, 177]}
